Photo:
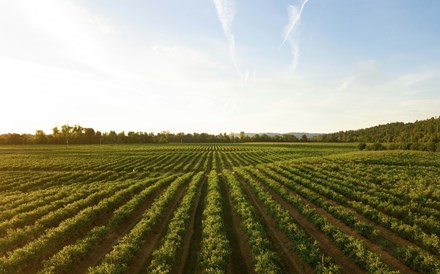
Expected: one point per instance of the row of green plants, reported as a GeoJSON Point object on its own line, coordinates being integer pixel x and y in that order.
{"type": "Point", "coordinates": [413, 187]}
{"type": "Point", "coordinates": [45, 195]}
{"type": "Point", "coordinates": [342, 193]}
{"type": "Point", "coordinates": [306, 247]}
{"type": "Point", "coordinates": [265, 259]}
{"type": "Point", "coordinates": [16, 238]}
{"type": "Point", "coordinates": [117, 260]}
{"type": "Point", "coordinates": [215, 247]}
{"type": "Point", "coordinates": [9, 179]}
{"type": "Point", "coordinates": [411, 256]}
{"type": "Point", "coordinates": [65, 259]}
{"type": "Point", "coordinates": [386, 201]}
{"type": "Point", "coordinates": [27, 203]}
{"type": "Point", "coordinates": [42, 207]}
{"type": "Point", "coordinates": [55, 238]}
{"type": "Point", "coordinates": [164, 257]}
{"type": "Point", "coordinates": [350, 246]}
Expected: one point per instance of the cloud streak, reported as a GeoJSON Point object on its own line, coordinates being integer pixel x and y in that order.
{"type": "Point", "coordinates": [226, 13]}
{"type": "Point", "coordinates": [294, 13]}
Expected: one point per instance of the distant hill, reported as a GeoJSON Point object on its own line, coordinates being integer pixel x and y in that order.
{"type": "Point", "coordinates": [273, 134]}
{"type": "Point", "coordinates": [424, 134]}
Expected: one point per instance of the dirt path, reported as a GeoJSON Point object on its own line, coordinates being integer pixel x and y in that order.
{"type": "Point", "coordinates": [192, 237]}
{"type": "Point", "coordinates": [346, 264]}
{"type": "Point", "coordinates": [37, 264]}
{"type": "Point", "coordinates": [375, 248]}
{"type": "Point", "coordinates": [191, 261]}
{"type": "Point", "coordinates": [99, 251]}
{"type": "Point", "coordinates": [142, 259]}
{"type": "Point", "coordinates": [385, 232]}
{"type": "Point", "coordinates": [291, 261]}
{"type": "Point", "coordinates": [240, 260]}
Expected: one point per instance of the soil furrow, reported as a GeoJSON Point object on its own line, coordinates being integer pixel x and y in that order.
{"type": "Point", "coordinates": [385, 232]}
{"type": "Point", "coordinates": [291, 261]}
{"type": "Point", "coordinates": [192, 235]}
{"type": "Point", "coordinates": [346, 264]}
{"type": "Point", "coordinates": [99, 251]}
{"type": "Point", "coordinates": [240, 260]}
{"type": "Point", "coordinates": [385, 255]}
{"type": "Point", "coordinates": [143, 258]}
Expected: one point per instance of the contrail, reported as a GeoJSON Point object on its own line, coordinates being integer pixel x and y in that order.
{"type": "Point", "coordinates": [226, 12]}
{"type": "Point", "coordinates": [294, 17]}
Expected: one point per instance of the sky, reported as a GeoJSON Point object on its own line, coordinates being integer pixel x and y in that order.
{"type": "Point", "coordinates": [218, 65]}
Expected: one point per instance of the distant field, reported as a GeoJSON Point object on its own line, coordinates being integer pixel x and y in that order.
{"type": "Point", "coordinates": [223, 208]}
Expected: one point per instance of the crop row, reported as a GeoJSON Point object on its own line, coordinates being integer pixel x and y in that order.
{"type": "Point", "coordinates": [264, 256]}
{"type": "Point", "coordinates": [215, 245]}
{"type": "Point", "coordinates": [56, 237]}
{"type": "Point", "coordinates": [307, 248]}
{"type": "Point", "coordinates": [343, 194]}
{"type": "Point", "coordinates": [412, 256]}
{"type": "Point", "coordinates": [71, 254]}
{"type": "Point", "coordinates": [163, 258]}
{"type": "Point", "coordinates": [116, 261]}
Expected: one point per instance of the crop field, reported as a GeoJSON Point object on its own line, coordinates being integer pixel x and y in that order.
{"type": "Point", "coordinates": [232, 208]}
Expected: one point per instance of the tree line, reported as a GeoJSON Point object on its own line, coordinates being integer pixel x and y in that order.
{"type": "Point", "coordinates": [77, 134]}
{"type": "Point", "coordinates": [420, 135]}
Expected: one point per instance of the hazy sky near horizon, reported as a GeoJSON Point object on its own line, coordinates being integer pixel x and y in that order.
{"type": "Point", "coordinates": [218, 66]}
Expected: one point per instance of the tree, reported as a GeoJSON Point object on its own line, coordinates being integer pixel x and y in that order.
{"type": "Point", "coordinates": [181, 135]}
{"type": "Point", "coordinates": [362, 146]}
{"type": "Point", "coordinates": [112, 137]}
{"type": "Point", "coordinates": [55, 131]}
{"type": "Point", "coordinates": [163, 136]}
{"type": "Point", "coordinates": [66, 131]}
{"type": "Point", "coordinates": [40, 137]}
{"type": "Point", "coordinates": [242, 136]}
{"type": "Point", "coordinates": [304, 138]}
{"type": "Point", "coordinates": [14, 139]}
{"type": "Point", "coordinates": [89, 135]}
{"type": "Point", "coordinates": [121, 137]}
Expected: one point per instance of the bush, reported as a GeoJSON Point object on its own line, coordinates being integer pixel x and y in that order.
{"type": "Point", "coordinates": [362, 146]}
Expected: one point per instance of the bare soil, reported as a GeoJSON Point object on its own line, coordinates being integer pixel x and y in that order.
{"type": "Point", "coordinates": [375, 248]}
{"type": "Point", "coordinates": [192, 235]}
{"type": "Point", "coordinates": [97, 253]}
{"type": "Point", "coordinates": [191, 264]}
{"type": "Point", "coordinates": [240, 260]}
{"type": "Point", "coordinates": [34, 265]}
{"type": "Point", "coordinates": [291, 262]}
{"type": "Point", "coordinates": [346, 264]}
{"type": "Point", "coordinates": [143, 258]}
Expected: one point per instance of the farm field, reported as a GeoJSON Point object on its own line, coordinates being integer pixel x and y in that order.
{"type": "Point", "coordinates": [218, 208]}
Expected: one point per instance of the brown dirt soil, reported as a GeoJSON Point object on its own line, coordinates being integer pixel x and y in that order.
{"type": "Point", "coordinates": [375, 248]}
{"type": "Point", "coordinates": [290, 260]}
{"type": "Point", "coordinates": [385, 232]}
{"type": "Point", "coordinates": [346, 264]}
{"type": "Point", "coordinates": [33, 266]}
{"type": "Point", "coordinates": [191, 261]}
{"type": "Point", "coordinates": [142, 260]}
{"type": "Point", "coordinates": [193, 230]}
{"type": "Point", "coordinates": [240, 260]}
{"type": "Point", "coordinates": [225, 161]}
{"type": "Point", "coordinates": [99, 251]}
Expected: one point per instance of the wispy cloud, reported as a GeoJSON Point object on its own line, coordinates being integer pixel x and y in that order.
{"type": "Point", "coordinates": [346, 82]}
{"type": "Point", "coordinates": [294, 13]}
{"type": "Point", "coordinates": [226, 13]}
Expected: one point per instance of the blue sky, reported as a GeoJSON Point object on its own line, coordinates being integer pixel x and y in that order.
{"type": "Point", "coordinates": [218, 66]}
